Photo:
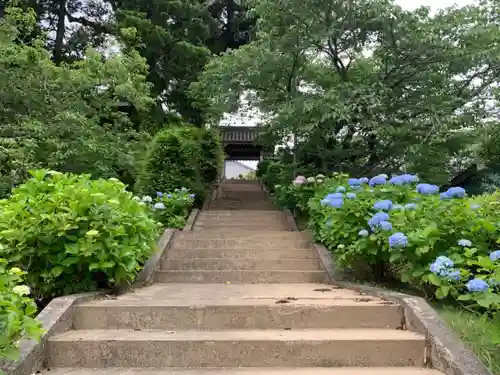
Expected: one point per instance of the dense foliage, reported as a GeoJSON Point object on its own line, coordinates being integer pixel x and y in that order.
{"type": "Point", "coordinates": [68, 117]}
{"type": "Point", "coordinates": [212, 156]}
{"type": "Point", "coordinates": [17, 310]}
{"type": "Point", "coordinates": [399, 228]}
{"type": "Point", "coordinates": [181, 157]}
{"type": "Point", "coordinates": [70, 233]}
{"type": "Point", "coordinates": [367, 87]}
{"type": "Point", "coordinates": [170, 209]}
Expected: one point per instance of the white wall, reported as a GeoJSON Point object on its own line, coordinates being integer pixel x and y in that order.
{"type": "Point", "coordinates": [233, 169]}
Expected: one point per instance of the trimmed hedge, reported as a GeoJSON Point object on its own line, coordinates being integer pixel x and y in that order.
{"type": "Point", "coordinates": [212, 155]}
{"type": "Point", "coordinates": [181, 157]}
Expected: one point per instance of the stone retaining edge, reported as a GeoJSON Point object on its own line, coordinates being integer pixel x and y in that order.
{"type": "Point", "coordinates": [210, 198]}
{"type": "Point", "coordinates": [445, 351]}
{"type": "Point", "coordinates": [57, 316]}
{"type": "Point", "coordinates": [162, 246]}
{"type": "Point", "coordinates": [191, 219]}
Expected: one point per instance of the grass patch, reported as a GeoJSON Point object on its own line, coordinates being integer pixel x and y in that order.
{"type": "Point", "coordinates": [480, 333]}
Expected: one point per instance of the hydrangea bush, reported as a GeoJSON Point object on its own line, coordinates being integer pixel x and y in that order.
{"type": "Point", "coordinates": [17, 311]}
{"type": "Point", "coordinates": [297, 194]}
{"type": "Point", "coordinates": [406, 229]}
{"type": "Point", "coordinates": [170, 209]}
{"type": "Point", "coordinates": [71, 233]}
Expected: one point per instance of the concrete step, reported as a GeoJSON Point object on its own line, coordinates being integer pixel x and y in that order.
{"type": "Point", "coordinates": [241, 239]}
{"type": "Point", "coordinates": [243, 219]}
{"type": "Point", "coordinates": [243, 235]}
{"type": "Point", "coordinates": [240, 276]}
{"type": "Point", "coordinates": [247, 371]}
{"type": "Point", "coordinates": [255, 226]}
{"type": "Point", "coordinates": [242, 214]}
{"type": "Point", "coordinates": [240, 264]}
{"type": "Point", "coordinates": [223, 307]}
{"type": "Point", "coordinates": [236, 348]}
{"type": "Point", "coordinates": [242, 191]}
{"type": "Point", "coordinates": [265, 253]}
{"type": "Point", "coordinates": [248, 220]}
{"type": "Point", "coordinates": [239, 243]}
{"type": "Point", "coordinates": [242, 206]}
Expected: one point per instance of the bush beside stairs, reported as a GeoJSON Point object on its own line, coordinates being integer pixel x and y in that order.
{"type": "Point", "coordinates": [239, 294]}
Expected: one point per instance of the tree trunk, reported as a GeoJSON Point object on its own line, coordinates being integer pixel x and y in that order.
{"type": "Point", "coordinates": [60, 33]}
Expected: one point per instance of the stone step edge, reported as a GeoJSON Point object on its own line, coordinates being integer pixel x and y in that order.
{"type": "Point", "coordinates": [303, 335]}
{"type": "Point", "coordinates": [245, 371]}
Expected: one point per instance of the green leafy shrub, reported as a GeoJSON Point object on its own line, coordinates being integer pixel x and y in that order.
{"type": "Point", "coordinates": [17, 310]}
{"type": "Point", "coordinates": [277, 174]}
{"type": "Point", "coordinates": [72, 234]}
{"type": "Point", "coordinates": [212, 155]}
{"type": "Point", "coordinates": [296, 196]}
{"type": "Point", "coordinates": [399, 229]}
{"type": "Point", "coordinates": [170, 209]}
{"type": "Point", "coordinates": [175, 160]}
{"type": "Point", "coordinates": [262, 166]}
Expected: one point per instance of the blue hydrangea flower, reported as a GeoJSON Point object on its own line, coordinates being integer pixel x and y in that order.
{"type": "Point", "coordinates": [335, 203]}
{"type": "Point", "coordinates": [192, 195]}
{"type": "Point", "coordinates": [159, 206]}
{"type": "Point", "coordinates": [474, 206]}
{"type": "Point", "coordinates": [353, 182]}
{"type": "Point", "coordinates": [444, 196]}
{"type": "Point", "coordinates": [442, 266]}
{"type": "Point", "coordinates": [464, 243]}
{"type": "Point", "coordinates": [341, 189]}
{"type": "Point", "coordinates": [455, 192]}
{"type": "Point", "coordinates": [377, 180]}
{"type": "Point", "coordinates": [364, 180]}
{"type": "Point", "coordinates": [385, 225]}
{"type": "Point", "coordinates": [396, 180]}
{"type": "Point", "coordinates": [409, 178]}
{"type": "Point", "coordinates": [454, 275]}
{"type": "Point", "coordinates": [427, 189]}
{"type": "Point", "coordinates": [363, 233]}
{"type": "Point", "coordinates": [159, 194]}
{"type": "Point", "coordinates": [377, 218]}
{"type": "Point", "coordinates": [403, 179]}
{"type": "Point", "coordinates": [495, 255]}
{"type": "Point", "coordinates": [410, 206]}
{"type": "Point", "coordinates": [350, 196]}
{"type": "Point", "coordinates": [398, 240]}
{"type": "Point", "coordinates": [169, 195]}
{"type": "Point", "coordinates": [334, 196]}
{"type": "Point", "coordinates": [147, 199]}
{"type": "Point", "coordinates": [477, 285]}
{"type": "Point", "coordinates": [384, 205]}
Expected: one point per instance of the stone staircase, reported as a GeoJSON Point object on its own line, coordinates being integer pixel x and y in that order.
{"type": "Point", "coordinates": [241, 294]}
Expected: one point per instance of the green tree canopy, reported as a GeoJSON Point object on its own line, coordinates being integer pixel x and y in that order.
{"type": "Point", "coordinates": [67, 117]}
{"type": "Point", "coordinates": [364, 85]}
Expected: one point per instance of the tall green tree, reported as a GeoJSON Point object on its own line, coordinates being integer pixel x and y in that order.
{"type": "Point", "coordinates": [67, 117]}
{"type": "Point", "coordinates": [364, 85]}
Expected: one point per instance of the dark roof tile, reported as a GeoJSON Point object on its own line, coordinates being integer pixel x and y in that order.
{"type": "Point", "coordinates": [238, 134]}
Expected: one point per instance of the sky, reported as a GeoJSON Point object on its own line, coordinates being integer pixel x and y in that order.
{"type": "Point", "coordinates": [240, 119]}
